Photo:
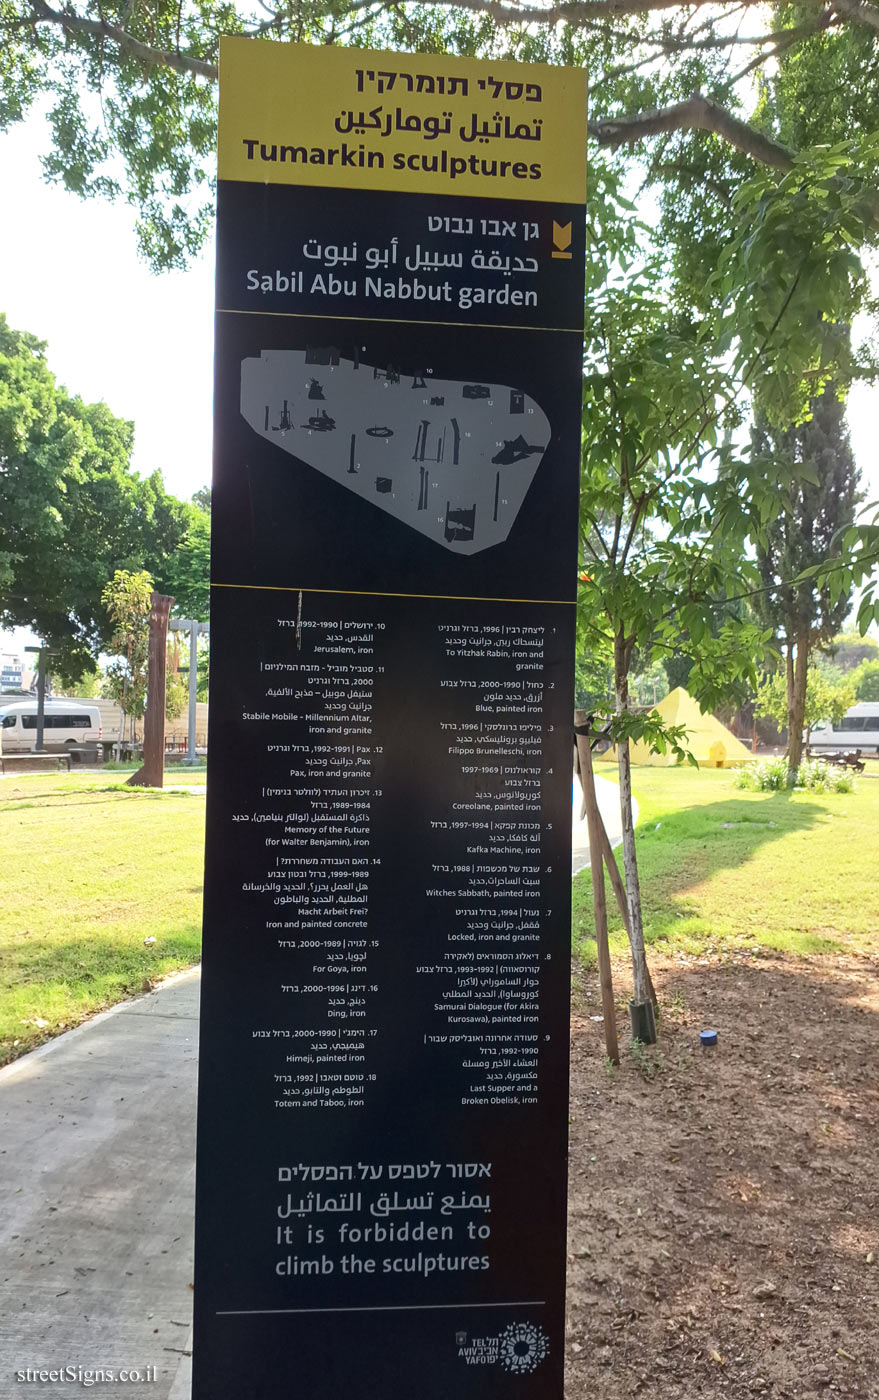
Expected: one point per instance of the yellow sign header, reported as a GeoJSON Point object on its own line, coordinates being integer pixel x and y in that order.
{"type": "Point", "coordinates": [302, 114]}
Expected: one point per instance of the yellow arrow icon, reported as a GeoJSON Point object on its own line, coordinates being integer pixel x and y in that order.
{"type": "Point", "coordinates": [561, 237]}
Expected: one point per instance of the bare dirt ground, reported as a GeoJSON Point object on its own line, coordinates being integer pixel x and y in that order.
{"type": "Point", "coordinates": [724, 1204]}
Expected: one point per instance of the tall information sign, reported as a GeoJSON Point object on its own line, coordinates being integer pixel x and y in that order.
{"type": "Point", "coordinates": [382, 1128]}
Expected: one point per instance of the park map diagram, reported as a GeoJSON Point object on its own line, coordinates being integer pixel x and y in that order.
{"type": "Point", "coordinates": [452, 459]}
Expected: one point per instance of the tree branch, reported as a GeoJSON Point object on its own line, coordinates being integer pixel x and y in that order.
{"type": "Point", "coordinates": [785, 39]}
{"type": "Point", "coordinates": [577, 13]}
{"type": "Point", "coordinates": [858, 10]}
{"type": "Point", "coordinates": [776, 41]}
{"type": "Point", "coordinates": [574, 13]}
{"type": "Point", "coordinates": [697, 113]}
{"type": "Point", "coordinates": [101, 29]}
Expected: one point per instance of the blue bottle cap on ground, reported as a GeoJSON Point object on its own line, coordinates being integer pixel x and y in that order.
{"type": "Point", "coordinates": [708, 1037]}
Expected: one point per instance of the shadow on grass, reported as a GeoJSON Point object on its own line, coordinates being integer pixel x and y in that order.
{"type": "Point", "coordinates": [685, 848]}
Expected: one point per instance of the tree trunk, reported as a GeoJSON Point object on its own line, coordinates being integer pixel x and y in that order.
{"type": "Point", "coordinates": [153, 771]}
{"type": "Point", "coordinates": [619, 890]}
{"type": "Point", "coordinates": [797, 673]}
{"type": "Point", "coordinates": [641, 975]}
{"type": "Point", "coordinates": [121, 740]}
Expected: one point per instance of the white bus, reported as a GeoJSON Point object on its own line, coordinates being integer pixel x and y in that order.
{"type": "Point", "coordinates": [66, 724]}
{"type": "Point", "coordinates": [858, 729]}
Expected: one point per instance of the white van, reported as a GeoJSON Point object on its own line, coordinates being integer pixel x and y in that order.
{"type": "Point", "coordinates": [858, 729]}
{"type": "Point", "coordinates": [66, 723]}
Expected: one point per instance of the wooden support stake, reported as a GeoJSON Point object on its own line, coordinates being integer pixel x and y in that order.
{"type": "Point", "coordinates": [599, 906]}
{"type": "Point", "coordinates": [614, 875]}
{"type": "Point", "coordinates": [152, 774]}
{"type": "Point", "coordinates": [613, 872]}
{"type": "Point", "coordinates": [619, 890]}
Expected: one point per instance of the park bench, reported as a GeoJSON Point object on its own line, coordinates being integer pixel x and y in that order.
{"type": "Point", "coordinates": [86, 753]}
{"type": "Point", "coordinates": [842, 760]}
{"type": "Point", "coordinates": [128, 749]}
{"type": "Point", "coordinates": [852, 760]}
{"type": "Point", "coordinates": [32, 762]}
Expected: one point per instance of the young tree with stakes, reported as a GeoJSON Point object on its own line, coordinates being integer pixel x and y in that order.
{"type": "Point", "coordinates": [665, 507]}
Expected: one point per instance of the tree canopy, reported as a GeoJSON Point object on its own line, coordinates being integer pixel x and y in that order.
{"type": "Point", "coordinates": [816, 510]}
{"type": "Point", "coordinates": [826, 697]}
{"type": "Point", "coordinates": [866, 681]}
{"type": "Point", "coordinates": [187, 574]}
{"type": "Point", "coordinates": [702, 94]}
{"type": "Point", "coordinates": [127, 598]}
{"type": "Point", "coordinates": [849, 649]}
{"type": "Point", "coordinates": [72, 510]}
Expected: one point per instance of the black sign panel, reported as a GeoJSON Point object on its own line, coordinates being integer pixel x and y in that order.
{"type": "Point", "coordinates": [384, 1050]}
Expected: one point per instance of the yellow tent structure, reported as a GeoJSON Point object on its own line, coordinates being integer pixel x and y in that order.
{"type": "Point", "coordinates": [707, 739]}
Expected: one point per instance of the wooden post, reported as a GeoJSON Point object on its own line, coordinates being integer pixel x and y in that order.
{"type": "Point", "coordinates": [613, 871]}
{"type": "Point", "coordinates": [599, 906]}
{"type": "Point", "coordinates": [152, 774]}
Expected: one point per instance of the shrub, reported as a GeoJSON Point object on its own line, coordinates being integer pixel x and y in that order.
{"type": "Point", "coordinates": [769, 775]}
{"type": "Point", "coordinates": [817, 776]}
{"type": "Point", "coordinates": [814, 775]}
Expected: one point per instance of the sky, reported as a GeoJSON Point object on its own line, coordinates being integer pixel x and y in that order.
{"type": "Point", "coordinates": [70, 274]}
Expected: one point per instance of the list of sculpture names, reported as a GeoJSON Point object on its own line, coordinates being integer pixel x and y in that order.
{"type": "Point", "coordinates": [324, 698]}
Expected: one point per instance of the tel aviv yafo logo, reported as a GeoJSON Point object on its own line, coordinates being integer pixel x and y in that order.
{"type": "Point", "coordinates": [519, 1348]}
{"type": "Point", "coordinates": [523, 1346]}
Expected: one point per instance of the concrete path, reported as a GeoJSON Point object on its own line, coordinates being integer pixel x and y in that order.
{"type": "Point", "coordinates": [97, 1149]}
{"type": "Point", "coordinates": [608, 795]}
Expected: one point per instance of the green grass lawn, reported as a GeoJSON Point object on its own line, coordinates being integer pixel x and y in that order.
{"type": "Point", "coordinates": [89, 869]}
{"type": "Point", "coordinates": [721, 866]}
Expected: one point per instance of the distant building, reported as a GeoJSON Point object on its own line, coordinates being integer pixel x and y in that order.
{"type": "Point", "coordinates": [11, 672]}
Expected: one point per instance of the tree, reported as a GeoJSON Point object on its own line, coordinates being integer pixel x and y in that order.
{"type": "Point", "coordinates": [176, 684]}
{"type": "Point", "coordinates": [665, 506]}
{"type": "Point", "coordinates": [816, 510]}
{"type": "Point", "coordinates": [188, 573]}
{"type": "Point", "coordinates": [849, 649]}
{"type": "Point", "coordinates": [204, 668]}
{"type": "Point", "coordinates": [677, 669]}
{"type": "Point", "coordinates": [670, 509]}
{"type": "Point", "coordinates": [593, 671]}
{"type": "Point", "coordinates": [815, 215]}
{"type": "Point", "coordinates": [667, 75]}
{"type": "Point", "coordinates": [127, 599]}
{"type": "Point", "coordinates": [72, 511]}
{"type": "Point", "coordinates": [650, 684]}
{"type": "Point", "coordinates": [825, 698]}
{"type": "Point", "coordinates": [866, 681]}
